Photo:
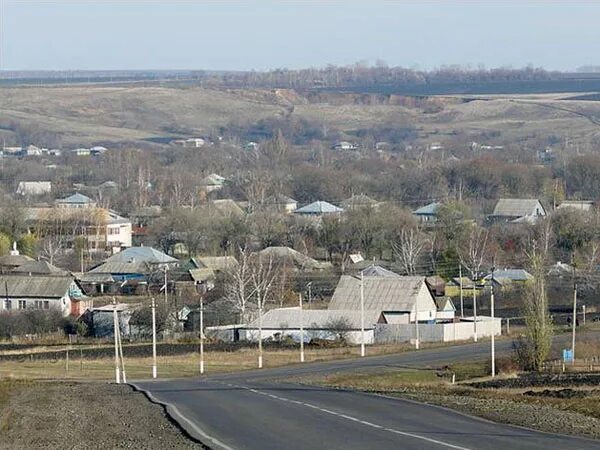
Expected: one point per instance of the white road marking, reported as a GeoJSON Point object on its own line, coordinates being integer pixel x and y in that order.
{"type": "Point", "coordinates": [353, 419]}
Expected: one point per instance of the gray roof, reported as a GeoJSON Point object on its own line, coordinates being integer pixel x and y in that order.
{"type": "Point", "coordinates": [517, 207]}
{"type": "Point", "coordinates": [319, 207]}
{"type": "Point", "coordinates": [90, 277]}
{"type": "Point", "coordinates": [313, 318]}
{"type": "Point", "coordinates": [118, 267]}
{"type": "Point", "coordinates": [141, 254]}
{"type": "Point", "coordinates": [378, 271]}
{"type": "Point", "coordinates": [380, 293]}
{"type": "Point", "coordinates": [34, 286]}
{"type": "Point", "coordinates": [213, 180]}
{"type": "Point", "coordinates": [215, 263]}
{"type": "Point", "coordinates": [291, 256]}
{"type": "Point", "coordinates": [428, 210]}
{"type": "Point", "coordinates": [14, 260]}
{"type": "Point", "coordinates": [581, 205]}
{"type": "Point", "coordinates": [359, 201]}
{"type": "Point", "coordinates": [76, 198]}
{"type": "Point", "coordinates": [510, 274]}
{"type": "Point", "coordinates": [40, 267]}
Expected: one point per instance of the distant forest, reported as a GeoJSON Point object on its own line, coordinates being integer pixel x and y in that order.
{"type": "Point", "coordinates": [359, 76]}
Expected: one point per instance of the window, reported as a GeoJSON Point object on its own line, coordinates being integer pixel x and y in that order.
{"type": "Point", "coordinates": [22, 304]}
{"type": "Point", "coordinates": [113, 231]}
{"type": "Point", "coordinates": [46, 304]}
{"type": "Point", "coordinates": [7, 304]}
{"type": "Point", "coordinates": [38, 304]}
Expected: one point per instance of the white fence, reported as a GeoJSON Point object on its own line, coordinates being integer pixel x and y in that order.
{"type": "Point", "coordinates": [437, 332]}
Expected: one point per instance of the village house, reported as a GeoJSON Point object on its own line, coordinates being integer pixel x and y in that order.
{"type": "Point", "coordinates": [76, 200]}
{"type": "Point", "coordinates": [344, 145]}
{"type": "Point", "coordinates": [576, 205]}
{"type": "Point", "coordinates": [319, 208]}
{"type": "Point", "coordinates": [213, 182]}
{"type": "Point", "coordinates": [518, 210]}
{"type": "Point", "coordinates": [34, 188]}
{"type": "Point", "coordinates": [62, 293]}
{"type": "Point", "coordinates": [281, 203]}
{"type": "Point", "coordinates": [358, 201]}
{"type": "Point", "coordinates": [427, 213]}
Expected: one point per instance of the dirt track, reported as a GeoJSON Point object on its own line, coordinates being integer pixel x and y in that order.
{"type": "Point", "coordinates": [85, 416]}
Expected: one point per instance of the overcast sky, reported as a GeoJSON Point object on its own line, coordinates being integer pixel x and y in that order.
{"type": "Point", "coordinates": [240, 35]}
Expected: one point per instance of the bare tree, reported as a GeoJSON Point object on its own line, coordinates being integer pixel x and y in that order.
{"type": "Point", "coordinates": [239, 289]}
{"type": "Point", "coordinates": [408, 248]}
{"type": "Point", "coordinates": [474, 251]}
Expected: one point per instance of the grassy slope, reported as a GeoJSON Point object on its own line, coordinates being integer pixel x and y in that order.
{"type": "Point", "coordinates": [87, 114]}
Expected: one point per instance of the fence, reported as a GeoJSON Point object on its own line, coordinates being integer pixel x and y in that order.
{"type": "Point", "coordinates": [437, 332]}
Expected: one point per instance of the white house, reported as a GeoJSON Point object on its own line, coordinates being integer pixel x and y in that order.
{"type": "Point", "coordinates": [518, 210]}
{"type": "Point", "coordinates": [317, 324]}
{"type": "Point", "coordinates": [20, 292]}
{"type": "Point", "coordinates": [400, 295]}
{"type": "Point", "coordinates": [32, 188]}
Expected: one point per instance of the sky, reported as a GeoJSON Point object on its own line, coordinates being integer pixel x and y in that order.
{"type": "Point", "coordinates": [268, 34]}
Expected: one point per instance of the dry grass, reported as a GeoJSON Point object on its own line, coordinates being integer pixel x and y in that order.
{"type": "Point", "coordinates": [186, 365]}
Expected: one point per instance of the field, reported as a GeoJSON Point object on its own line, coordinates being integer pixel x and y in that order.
{"type": "Point", "coordinates": [87, 367]}
{"type": "Point", "coordinates": [87, 115]}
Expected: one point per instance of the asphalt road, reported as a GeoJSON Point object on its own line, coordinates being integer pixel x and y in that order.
{"type": "Point", "coordinates": [266, 410]}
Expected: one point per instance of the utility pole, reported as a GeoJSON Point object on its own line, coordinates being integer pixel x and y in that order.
{"type": "Point", "coordinates": [121, 355]}
{"type": "Point", "coordinates": [417, 323]}
{"type": "Point", "coordinates": [301, 328]}
{"type": "Point", "coordinates": [475, 307]}
{"type": "Point", "coordinates": [362, 314]}
{"type": "Point", "coordinates": [493, 321]}
{"type": "Point", "coordinates": [260, 349]}
{"type": "Point", "coordinates": [166, 268]}
{"type": "Point", "coordinates": [462, 308]}
{"type": "Point", "coordinates": [154, 370]}
{"type": "Point", "coordinates": [574, 313]}
{"type": "Point", "coordinates": [116, 327]}
{"type": "Point", "coordinates": [202, 335]}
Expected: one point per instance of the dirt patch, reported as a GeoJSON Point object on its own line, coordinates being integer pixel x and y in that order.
{"type": "Point", "coordinates": [84, 416]}
{"type": "Point", "coordinates": [542, 380]}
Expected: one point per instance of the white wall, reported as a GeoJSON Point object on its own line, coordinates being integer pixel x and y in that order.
{"type": "Point", "coordinates": [439, 332]}
{"type": "Point", "coordinates": [352, 337]}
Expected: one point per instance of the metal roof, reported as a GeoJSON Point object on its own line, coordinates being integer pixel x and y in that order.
{"type": "Point", "coordinates": [289, 318]}
{"type": "Point", "coordinates": [428, 210]}
{"type": "Point", "coordinates": [378, 271]}
{"type": "Point", "coordinates": [380, 293]}
{"type": "Point", "coordinates": [76, 198]}
{"type": "Point", "coordinates": [118, 267]}
{"type": "Point", "coordinates": [141, 254]}
{"type": "Point", "coordinates": [518, 207]}
{"type": "Point", "coordinates": [34, 286]}
{"type": "Point", "coordinates": [319, 207]}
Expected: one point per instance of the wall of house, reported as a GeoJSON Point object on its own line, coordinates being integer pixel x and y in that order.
{"type": "Point", "coordinates": [122, 238]}
{"type": "Point", "coordinates": [22, 303]}
{"type": "Point", "coordinates": [351, 336]}
{"type": "Point", "coordinates": [439, 332]}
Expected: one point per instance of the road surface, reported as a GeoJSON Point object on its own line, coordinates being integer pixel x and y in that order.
{"type": "Point", "coordinates": [266, 410]}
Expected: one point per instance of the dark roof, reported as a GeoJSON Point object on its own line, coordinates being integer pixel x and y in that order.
{"type": "Point", "coordinates": [359, 201]}
{"type": "Point", "coordinates": [294, 257]}
{"type": "Point", "coordinates": [34, 286]}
